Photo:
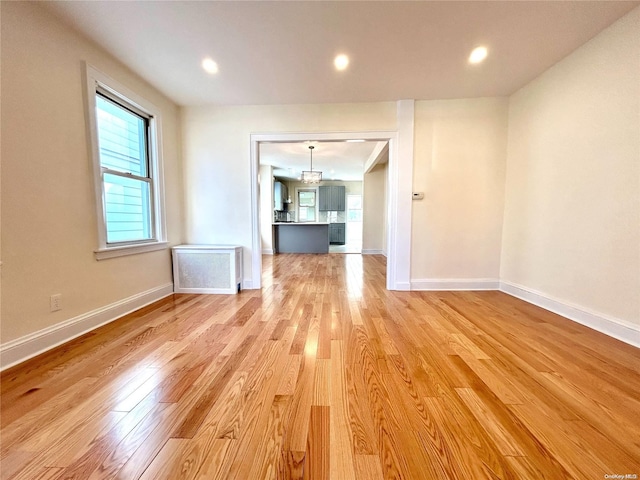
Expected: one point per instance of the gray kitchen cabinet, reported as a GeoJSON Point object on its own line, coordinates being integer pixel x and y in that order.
{"type": "Point", "coordinates": [323, 198]}
{"type": "Point", "coordinates": [301, 237]}
{"type": "Point", "coordinates": [337, 233]}
{"type": "Point", "coordinates": [337, 198]}
{"type": "Point", "coordinates": [331, 198]}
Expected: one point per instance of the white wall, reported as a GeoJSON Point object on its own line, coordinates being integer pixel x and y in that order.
{"type": "Point", "coordinates": [217, 163]}
{"type": "Point", "coordinates": [572, 216]}
{"type": "Point", "coordinates": [374, 210]}
{"type": "Point", "coordinates": [459, 164]}
{"type": "Point", "coordinates": [49, 218]}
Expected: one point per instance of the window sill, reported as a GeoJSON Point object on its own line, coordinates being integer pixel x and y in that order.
{"type": "Point", "coordinates": [113, 252]}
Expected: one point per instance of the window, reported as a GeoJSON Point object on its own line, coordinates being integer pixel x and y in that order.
{"type": "Point", "coordinates": [127, 168]}
{"type": "Point", "coordinates": [354, 208]}
{"type": "Point", "coordinates": [306, 205]}
{"type": "Point", "coordinates": [124, 161]}
{"type": "Point", "coordinates": [354, 220]}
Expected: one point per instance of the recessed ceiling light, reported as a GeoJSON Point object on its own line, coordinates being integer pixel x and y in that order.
{"type": "Point", "coordinates": [478, 54]}
{"type": "Point", "coordinates": [341, 62]}
{"type": "Point", "coordinates": [210, 66]}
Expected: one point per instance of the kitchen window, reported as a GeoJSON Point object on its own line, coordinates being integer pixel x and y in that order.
{"type": "Point", "coordinates": [354, 208]}
{"type": "Point", "coordinates": [307, 205]}
{"type": "Point", "coordinates": [125, 133]}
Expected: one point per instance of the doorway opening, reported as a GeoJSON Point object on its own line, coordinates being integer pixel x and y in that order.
{"type": "Point", "coordinates": [353, 226]}
{"type": "Point", "coordinates": [391, 207]}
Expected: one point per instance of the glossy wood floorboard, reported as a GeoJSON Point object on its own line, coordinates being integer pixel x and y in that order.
{"type": "Point", "coordinates": [324, 374]}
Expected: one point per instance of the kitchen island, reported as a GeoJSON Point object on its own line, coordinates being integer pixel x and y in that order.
{"type": "Point", "coordinates": [301, 237]}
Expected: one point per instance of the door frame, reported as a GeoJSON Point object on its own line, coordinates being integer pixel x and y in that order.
{"type": "Point", "coordinates": [398, 200]}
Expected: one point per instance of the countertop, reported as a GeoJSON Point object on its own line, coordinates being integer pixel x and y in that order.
{"type": "Point", "coordinates": [300, 223]}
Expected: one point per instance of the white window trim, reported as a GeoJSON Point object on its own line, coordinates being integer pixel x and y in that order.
{"type": "Point", "coordinates": [95, 79]}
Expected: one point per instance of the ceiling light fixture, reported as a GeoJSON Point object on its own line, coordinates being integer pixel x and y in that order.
{"type": "Point", "coordinates": [478, 54]}
{"type": "Point", "coordinates": [341, 62]}
{"type": "Point", "coordinates": [309, 176]}
{"type": "Point", "coordinates": [210, 66]}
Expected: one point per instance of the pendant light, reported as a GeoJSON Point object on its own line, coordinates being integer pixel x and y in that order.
{"type": "Point", "coordinates": [309, 176]}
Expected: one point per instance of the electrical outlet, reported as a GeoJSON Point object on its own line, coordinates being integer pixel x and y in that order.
{"type": "Point", "coordinates": [55, 302]}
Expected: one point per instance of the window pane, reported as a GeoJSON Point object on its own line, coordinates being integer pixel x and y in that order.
{"type": "Point", "coordinates": [354, 202]}
{"type": "Point", "coordinates": [121, 138]}
{"type": "Point", "coordinates": [354, 215]}
{"type": "Point", "coordinates": [307, 199]}
{"type": "Point", "coordinates": [127, 209]}
{"type": "Point", "coordinates": [306, 214]}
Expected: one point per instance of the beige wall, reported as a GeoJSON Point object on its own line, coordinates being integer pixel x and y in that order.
{"type": "Point", "coordinates": [49, 227]}
{"type": "Point", "coordinates": [374, 209]}
{"type": "Point", "coordinates": [460, 158]}
{"type": "Point", "coordinates": [572, 216]}
{"type": "Point", "coordinates": [217, 164]}
{"type": "Point", "coordinates": [459, 164]}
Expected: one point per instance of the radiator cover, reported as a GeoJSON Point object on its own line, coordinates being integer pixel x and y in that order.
{"type": "Point", "coordinates": [207, 269]}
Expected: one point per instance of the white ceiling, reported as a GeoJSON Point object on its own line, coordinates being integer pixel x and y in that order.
{"type": "Point", "coordinates": [282, 52]}
{"type": "Point", "coordinates": [336, 160]}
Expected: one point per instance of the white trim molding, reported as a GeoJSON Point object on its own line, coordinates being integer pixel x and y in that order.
{"type": "Point", "coordinates": [614, 327]}
{"type": "Point", "coordinates": [439, 284]}
{"type": "Point", "coordinates": [23, 348]}
{"type": "Point", "coordinates": [399, 202]}
{"type": "Point", "coordinates": [267, 251]}
{"type": "Point", "coordinates": [130, 250]}
{"type": "Point", "coordinates": [372, 252]}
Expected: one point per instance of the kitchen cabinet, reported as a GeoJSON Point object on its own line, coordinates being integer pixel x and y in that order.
{"type": "Point", "coordinates": [279, 196]}
{"type": "Point", "coordinates": [337, 233]}
{"type": "Point", "coordinates": [308, 237]}
{"type": "Point", "coordinates": [323, 198]}
{"type": "Point", "coordinates": [331, 198]}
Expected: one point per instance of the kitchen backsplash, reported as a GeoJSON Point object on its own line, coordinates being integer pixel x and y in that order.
{"type": "Point", "coordinates": [332, 217]}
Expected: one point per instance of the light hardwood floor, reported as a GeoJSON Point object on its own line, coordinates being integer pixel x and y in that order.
{"type": "Point", "coordinates": [326, 375]}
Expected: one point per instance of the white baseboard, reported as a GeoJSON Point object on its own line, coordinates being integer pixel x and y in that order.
{"type": "Point", "coordinates": [455, 284]}
{"type": "Point", "coordinates": [614, 327]}
{"type": "Point", "coordinates": [372, 252]}
{"type": "Point", "coordinates": [247, 284]}
{"type": "Point", "coordinates": [403, 286]}
{"type": "Point", "coordinates": [267, 251]}
{"type": "Point", "coordinates": [24, 348]}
